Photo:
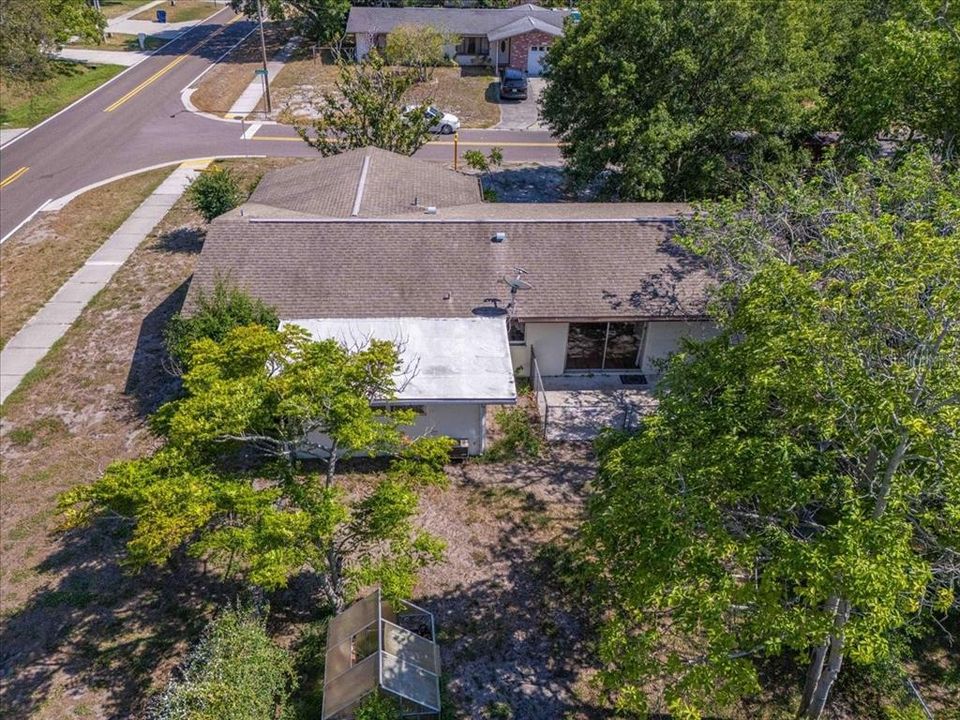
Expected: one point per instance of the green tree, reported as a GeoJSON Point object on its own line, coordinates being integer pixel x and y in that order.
{"type": "Point", "coordinates": [32, 30]}
{"type": "Point", "coordinates": [317, 20]}
{"type": "Point", "coordinates": [798, 489]}
{"type": "Point", "coordinates": [689, 99]}
{"type": "Point", "coordinates": [280, 396]}
{"type": "Point", "coordinates": [901, 77]}
{"type": "Point", "coordinates": [235, 672]}
{"type": "Point", "coordinates": [215, 191]}
{"type": "Point", "coordinates": [418, 46]}
{"type": "Point", "coordinates": [675, 99]}
{"type": "Point", "coordinates": [367, 109]}
{"type": "Point", "coordinates": [214, 315]}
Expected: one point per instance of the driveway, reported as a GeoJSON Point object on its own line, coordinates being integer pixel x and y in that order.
{"type": "Point", "coordinates": [525, 114]}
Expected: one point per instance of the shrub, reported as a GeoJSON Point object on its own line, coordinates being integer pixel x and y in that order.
{"type": "Point", "coordinates": [235, 672]}
{"type": "Point", "coordinates": [377, 707]}
{"type": "Point", "coordinates": [215, 315]}
{"type": "Point", "coordinates": [520, 436]}
{"type": "Point", "coordinates": [214, 192]}
{"type": "Point", "coordinates": [417, 46]}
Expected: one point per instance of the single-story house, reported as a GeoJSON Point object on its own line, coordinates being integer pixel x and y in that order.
{"type": "Point", "coordinates": [515, 36]}
{"type": "Point", "coordinates": [372, 244]}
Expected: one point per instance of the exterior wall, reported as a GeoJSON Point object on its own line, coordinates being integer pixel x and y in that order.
{"type": "Point", "coordinates": [453, 420]}
{"type": "Point", "coordinates": [456, 420]}
{"type": "Point", "coordinates": [520, 47]}
{"type": "Point", "coordinates": [663, 339]}
{"type": "Point", "coordinates": [549, 341]}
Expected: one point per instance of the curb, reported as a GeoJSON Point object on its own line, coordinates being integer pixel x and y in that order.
{"type": "Point", "coordinates": [113, 79]}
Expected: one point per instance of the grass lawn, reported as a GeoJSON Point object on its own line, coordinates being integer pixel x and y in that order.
{"type": "Point", "coordinates": [113, 8]}
{"type": "Point", "coordinates": [221, 87]}
{"type": "Point", "coordinates": [36, 261]}
{"type": "Point", "coordinates": [121, 41]}
{"type": "Point", "coordinates": [25, 104]}
{"type": "Point", "coordinates": [469, 93]}
{"type": "Point", "coordinates": [183, 11]}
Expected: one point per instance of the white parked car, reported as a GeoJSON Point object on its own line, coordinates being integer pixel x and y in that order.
{"type": "Point", "coordinates": [440, 122]}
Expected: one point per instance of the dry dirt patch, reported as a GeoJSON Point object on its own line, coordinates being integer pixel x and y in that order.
{"type": "Point", "coordinates": [221, 87]}
{"type": "Point", "coordinates": [507, 639]}
{"type": "Point", "coordinates": [468, 93]}
{"type": "Point", "coordinates": [79, 637]}
{"type": "Point", "coordinates": [36, 261]}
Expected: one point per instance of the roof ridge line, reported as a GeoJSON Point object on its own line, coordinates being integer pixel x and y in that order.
{"type": "Point", "coordinates": [435, 220]}
{"type": "Point", "coordinates": [361, 185]}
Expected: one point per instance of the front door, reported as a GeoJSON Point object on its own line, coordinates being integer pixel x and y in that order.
{"type": "Point", "coordinates": [605, 346]}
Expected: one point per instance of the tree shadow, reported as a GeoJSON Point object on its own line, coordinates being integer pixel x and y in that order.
{"type": "Point", "coordinates": [103, 629]}
{"type": "Point", "coordinates": [511, 637]}
{"type": "Point", "coordinates": [151, 381]}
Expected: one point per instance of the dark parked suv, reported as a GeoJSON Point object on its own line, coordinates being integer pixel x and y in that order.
{"type": "Point", "coordinates": [513, 85]}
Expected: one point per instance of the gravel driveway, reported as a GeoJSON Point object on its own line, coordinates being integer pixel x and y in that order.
{"type": "Point", "coordinates": [523, 114]}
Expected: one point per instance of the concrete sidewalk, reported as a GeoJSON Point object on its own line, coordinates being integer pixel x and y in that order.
{"type": "Point", "coordinates": [102, 57]}
{"type": "Point", "coordinates": [127, 15]}
{"type": "Point", "coordinates": [250, 97]}
{"type": "Point", "coordinates": [25, 349]}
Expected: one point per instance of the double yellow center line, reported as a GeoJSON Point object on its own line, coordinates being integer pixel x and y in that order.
{"type": "Point", "coordinates": [168, 67]}
{"type": "Point", "coordinates": [13, 176]}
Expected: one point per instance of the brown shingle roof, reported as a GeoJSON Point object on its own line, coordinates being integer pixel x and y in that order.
{"type": "Point", "coordinates": [428, 268]}
{"type": "Point", "coordinates": [329, 187]}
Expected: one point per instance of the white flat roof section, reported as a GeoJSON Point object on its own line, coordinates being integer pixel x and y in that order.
{"type": "Point", "coordinates": [465, 360]}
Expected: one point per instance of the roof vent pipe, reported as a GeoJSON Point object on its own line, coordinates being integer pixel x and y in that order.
{"type": "Point", "coordinates": [499, 237]}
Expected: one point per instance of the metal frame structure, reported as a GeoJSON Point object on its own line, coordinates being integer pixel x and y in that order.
{"type": "Point", "coordinates": [403, 664]}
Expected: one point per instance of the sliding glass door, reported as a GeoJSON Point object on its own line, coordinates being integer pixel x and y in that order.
{"type": "Point", "coordinates": [605, 346]}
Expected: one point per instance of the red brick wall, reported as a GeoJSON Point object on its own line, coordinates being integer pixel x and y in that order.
{"type": "Point", "coordinates": [520, 46]}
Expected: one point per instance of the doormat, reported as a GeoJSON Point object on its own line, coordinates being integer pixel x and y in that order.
{"type": "Point", "coordinates": [633, 379]}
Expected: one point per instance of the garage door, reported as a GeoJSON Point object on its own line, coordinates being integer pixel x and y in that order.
{"type": "Point", "coordinates": [535, 59]}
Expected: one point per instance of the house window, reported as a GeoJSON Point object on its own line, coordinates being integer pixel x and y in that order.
{"type": "Point", "coordinates": [473, 45]}
{"type": "Point", "coordinates": [605, 346]}
{"type": "Point", "coordinates": [517, 332]}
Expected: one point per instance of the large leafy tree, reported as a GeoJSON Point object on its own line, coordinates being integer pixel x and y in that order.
{"type": "Point", "coordinates": [900, 76]}
{"type": "Point", "coordinates": [367, 108]}
{"type": "Point", "coordinates": [277, 395]}
{"type": "Point", "coordinates": [668, 99]}
{"type": "Point", "coordinates": [798, 489]}
{"type": "Point", "coordinates": [31, 30]}
{"type": "Point", "coordinates": [318, 20]}
{"type": "Point", "coordinates": [683, 99]}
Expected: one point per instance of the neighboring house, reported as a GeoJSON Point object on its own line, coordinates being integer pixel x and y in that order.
{"type": "Point", "coordinates": [339, 247]}
{"type": "Point", "coordinates": [516, 36]}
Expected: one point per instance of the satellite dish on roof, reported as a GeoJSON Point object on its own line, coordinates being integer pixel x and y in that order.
{"type": "Point", "coordinates": [517, 283]}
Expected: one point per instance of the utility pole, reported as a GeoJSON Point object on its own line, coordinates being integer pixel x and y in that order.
{"type": "Point", "coordinates": [263, 50]}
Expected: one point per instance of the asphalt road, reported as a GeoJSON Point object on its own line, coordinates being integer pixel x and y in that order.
{"type": "Point", "coordinates": [137, 121]}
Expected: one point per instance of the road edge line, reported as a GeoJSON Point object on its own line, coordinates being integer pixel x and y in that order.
{"type": "Point", "coordinates": [115, 77]}
{"type": "Point", "coordinates": [23, 222]}
{"type": "Point", "coordinates": [60, 202]}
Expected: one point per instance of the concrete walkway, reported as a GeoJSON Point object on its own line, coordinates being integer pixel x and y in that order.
{"type": "Point", "coordinates": [127, 15]}
{"type": "Point", "coordinates": [102, 57]}
{"type": "Point", "coordinates": [250, 97]}
{"type": "Point", "coordinates": [25, 349]}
